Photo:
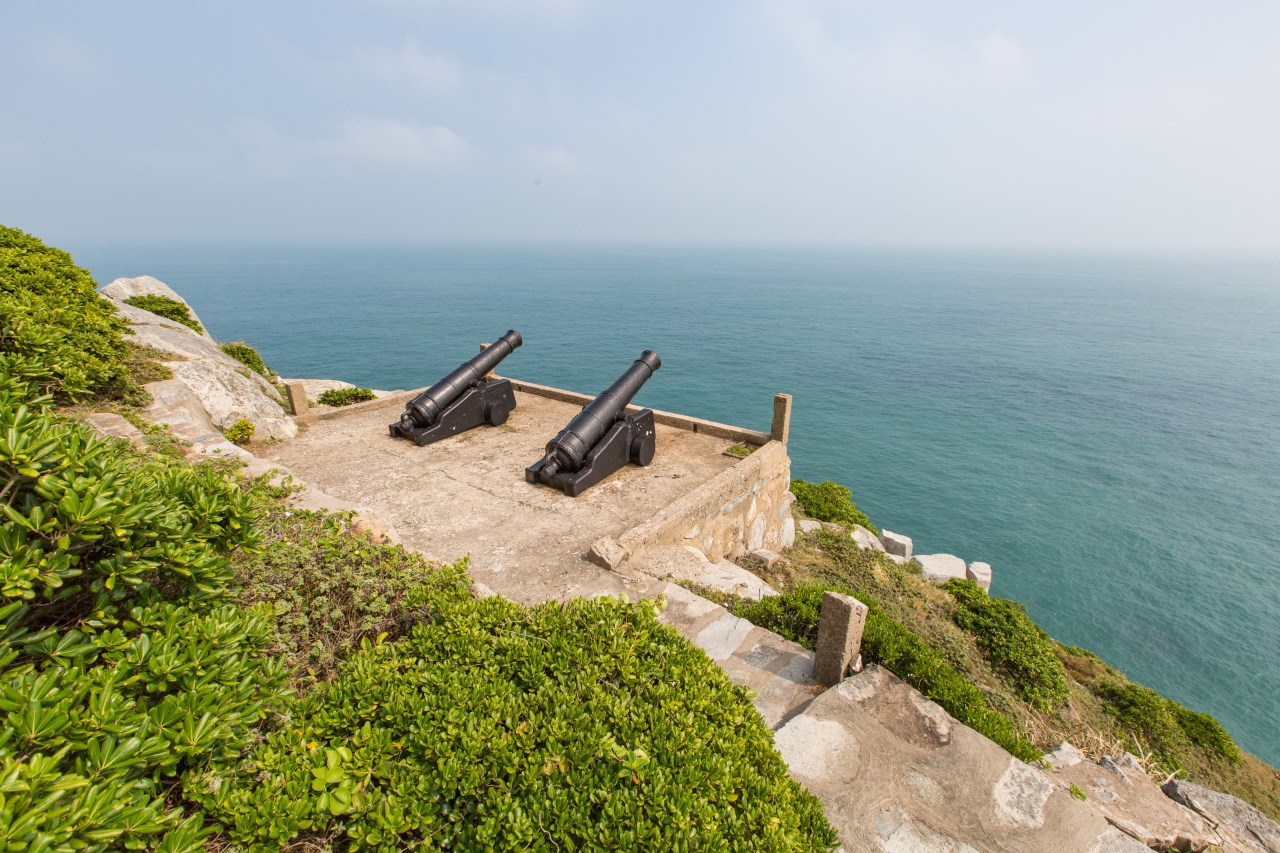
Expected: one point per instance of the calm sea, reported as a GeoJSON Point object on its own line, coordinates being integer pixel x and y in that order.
{"type": "Point", "coordinates": [1103, 430]}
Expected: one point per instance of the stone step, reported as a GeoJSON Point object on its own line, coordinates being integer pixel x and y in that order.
{"type": "Point", "coordinates": [778, 671]}
{"type": "Point", "coordinates": [897, 773]}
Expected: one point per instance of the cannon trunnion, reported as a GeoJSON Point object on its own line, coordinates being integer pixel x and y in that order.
{"type": "Point", "coordinates": [463, 399]}
{"type": "Point", "coordinates": [602, 437]}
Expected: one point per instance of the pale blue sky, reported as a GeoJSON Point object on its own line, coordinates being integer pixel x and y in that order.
{"type": "Point", "coordinates": [1085, 124]}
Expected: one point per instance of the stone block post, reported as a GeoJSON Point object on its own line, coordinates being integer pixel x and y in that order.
{"type": "Point", "coordinates": [781, 429]}
{"type": "Point", "coordinates": [840, 624]}
{"type": "Point", "coordinates": [298, 404]}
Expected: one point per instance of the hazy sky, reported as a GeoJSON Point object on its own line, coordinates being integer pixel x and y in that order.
{"type": "Point", "coordinates": [1083, 124]}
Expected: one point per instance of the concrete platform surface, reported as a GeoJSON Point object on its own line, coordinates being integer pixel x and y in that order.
{"type": "Point", "coordinates": [467, 494]}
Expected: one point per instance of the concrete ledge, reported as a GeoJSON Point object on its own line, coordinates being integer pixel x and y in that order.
{"type": "Point", "coordinates": [671, 419]}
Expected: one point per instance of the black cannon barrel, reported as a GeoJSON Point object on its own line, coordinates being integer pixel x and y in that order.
{"type": "Point", "coordinates": [424, 409]}
{"type": "Point", "coordinates": [567, 450]}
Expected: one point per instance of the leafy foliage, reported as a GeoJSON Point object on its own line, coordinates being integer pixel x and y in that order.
{"type": "Point", "coordinates": [830, 501]}
{"type": "Point", "coordinates": [248, 356]}
{"type": "Point", "coordinates": [1014, 644]}
{"type": "Point", "coordinates": [578, 726]}
{"type": "Point", "coordinates": [1166, 726]}
{"type": "Point", "coordinates": [125, 667]}
{"type": "Point", "coordinates": [240, 432]}
{"type": "Point", "coordinates": [1205, 731]}
{"type": "Point", "coordinates": [167, 307]}
{"type": "Point", "coordinates": [58, 335]}
{"type": "Point", "coordinates": [795, 615]}
{"type": "Point", "coordinates": [333, 588]}
{"type": "Point", "coordinates": [344, 396]}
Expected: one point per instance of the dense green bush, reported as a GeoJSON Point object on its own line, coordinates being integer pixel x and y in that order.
{"type": "Point", "coordinates": [167, 307]}
{"type": "Point", "coordinates": [248, 356]}
{"type": "Point", "coordinates": [333, 588]}
{"type": "Point", "coordinates": [344, 396]}
{"type": "Point", "coordinates": [586, 725]}
{"type": "Point", "coordinates": [59, 334]}
{"type": "Point", "coordinates": [123, 665]}
{"type": "Point", "coordinates": [795, 615]}
{"type": "Point", "coordinates": [830, 502]}
{"type": "Point", "coordinates": [240, 432]}
{"type": "Point", "coordinates": [1168, 728]}
{"type": "Point", "coordinates": [1014, 644]}
{"type": "Point", "coordinates": [1205, 731]}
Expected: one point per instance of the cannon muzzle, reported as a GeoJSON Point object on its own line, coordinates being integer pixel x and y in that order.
{"type": "Point", "coordinates": [424, 410]}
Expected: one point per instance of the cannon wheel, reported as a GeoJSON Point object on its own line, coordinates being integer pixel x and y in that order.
{"type": "Point", "coordinates": [642, 449]}
{"type": "Point", "coordinates": [497, 412]}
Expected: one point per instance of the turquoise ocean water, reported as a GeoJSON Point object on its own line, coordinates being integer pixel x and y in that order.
{"type": "Point", "coordinates": [1103, 430]}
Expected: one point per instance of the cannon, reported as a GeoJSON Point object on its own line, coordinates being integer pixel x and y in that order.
{"type": "Point", "coordinates": [463, 399]}
{"type": "Point", "coordinates": [602, 437]}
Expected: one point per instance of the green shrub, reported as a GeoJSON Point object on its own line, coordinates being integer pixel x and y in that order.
{"type": "Point", "coordinates": [167, 307]}
{"type": "Point", "coordinates": [123, 665]}
{"type": "Point", "coordinates": [333, 589]}
{"type": "Point", "coordinates": [1147, 714]}
{"type": "Point", "coordinates": [585, 725]}
{"type": "Point", "coordinates": [248, 356]}
{"type": "Point", "coordinates": [1205, 731]}
{"type": "Point", "coordinates": [884, 641]}
{"type": "Point", "coordinates": [240, 432]}
{"type": "Point", "coordinates": [1167, 728]}
{"type": "Point", "coordinates": [1014, 644]}
{"type": "Point", "coordinates": [830, 502]}
{"type": "Point", "coordinates": [345, 396]}
{"type": "Point", "coordinates": [60, 336]}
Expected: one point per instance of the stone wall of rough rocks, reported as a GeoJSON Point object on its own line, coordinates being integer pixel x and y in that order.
{"type": "Point", "coordinates": [740, 510]}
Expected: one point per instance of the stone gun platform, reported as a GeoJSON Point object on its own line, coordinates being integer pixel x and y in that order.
{"type": "Point", "coordinates": [467, 495]}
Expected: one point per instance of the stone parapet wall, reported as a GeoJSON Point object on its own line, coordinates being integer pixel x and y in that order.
{"type": "Point", "coordinates": [671, 419]}
{"type": "Point", "coordinates": [740, 510]}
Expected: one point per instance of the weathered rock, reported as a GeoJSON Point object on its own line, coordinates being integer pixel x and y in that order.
{"type": "Point", "coordinates": [896, 543]}
{"type": "Point", "coordinates": [865, 539]}
{"type": "Point", "coordinates": [788, 532]}
{"type": "Point", "coordinates": [979, 573]}
{"type": "Point", "coordinates": [765, 557]}
{"type": "Point", "coordinates": [379, 530]}
{"type": "Point", "coordinates": [896, 772]}
{"type": "Point", "coordinates": [1066, 755]}
{"type": "Point", "coordinates": [1239, 822]}
{"type": "Point", "coordinates": [941, 568]}
{"type": "Point", "coordinates": [607, 553]}
{"type": "Point", "coordinates": [145, 285]}
{"type": "Point", "coordinates": [174, 405]}
{"type": "Point", "coordinates": [1129, 799]}
{"type": "Point", "coordinates": [809, 525]}
{"type": "Point", "coordinates": [228, 395]}
{"type": "Point", "coordinates": [735, 580]}
{"type": "Point", "coordinates": [226, 389]}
